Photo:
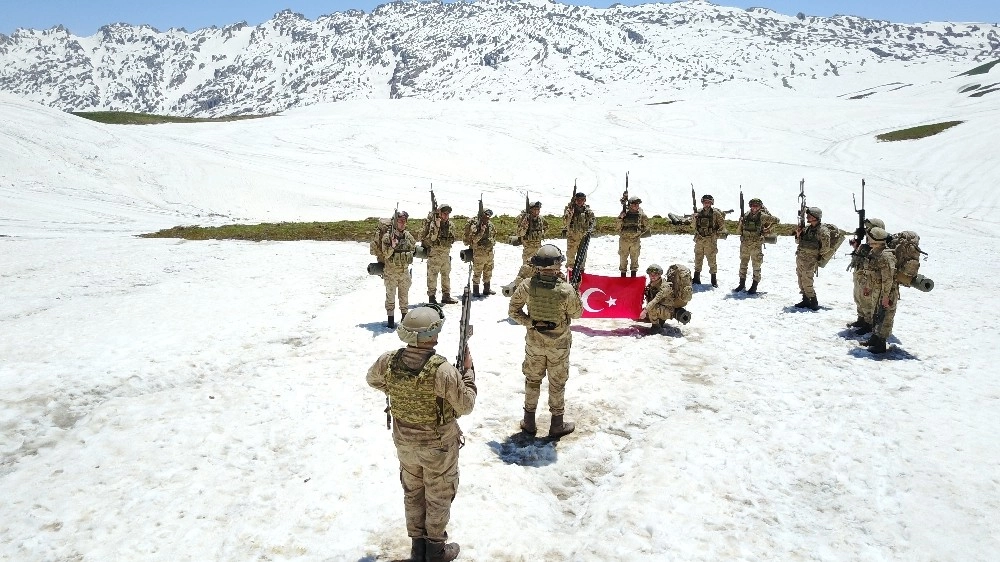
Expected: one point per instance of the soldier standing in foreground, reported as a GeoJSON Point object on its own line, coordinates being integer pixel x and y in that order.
{"type": "Point", "coordinates": [882, 288]}
{"type": "Point", "coordinates": [426, 394]}
{"type": "Point", "coordinates": [552, 304]}
{"type": "Point", "coordinates": [813, 241]}
{"type": "Point", "coordinates": [633, 224]}
{"type": "Point", "coordinates": [579, 220]}
{"type": "Point", "coordinates": [438, 240]}
{"type": "Point", "coordinates": [397, 247]}
{"type": "Point", "coordinates": [481, 236]}
{"type": "Point", "coordinates": [754, 227]}
{"type": "Point", "coordinates": [709, 223]}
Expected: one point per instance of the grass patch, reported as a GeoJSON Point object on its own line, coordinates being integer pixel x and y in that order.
{"type": "Point", "coordinates": [981, 69]}
{"type": "Point", "coordinates": [126, 118]}
{"type": "Point", "coordinates": [361, 230]}
{"type": "Point", "coordinates": [917, 132]}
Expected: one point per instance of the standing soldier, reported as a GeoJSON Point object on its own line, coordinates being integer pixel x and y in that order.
{"type": "Point", "coordinates": [481, 236]}
{"type": "Point", "coordinates": [438, 238]}
{"type": "Point", "coordinates": [709, 223]}
{"type": "Point", "coordinates": [754, 227]}
{"type": "Point", "coordinates": [881, 288]}
{"type": "Point", "coordinates": [552, 303]}
{"type": "Point", "coordinates": [426, 394]}
{"type": "Point", "coordinates": [861, 264]}
{"type": "Point", "coordinates": [813, 242]}
{"type": "Point", "coordinates": [579, 220]}
{"type": "Point", "coordinates": [632, 225]}
{"type": "Point", "coordinates": [397, 247]}
{"type": "Point", "coordinates": [531, 227]}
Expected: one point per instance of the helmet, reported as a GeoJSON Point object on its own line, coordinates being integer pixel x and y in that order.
{"type": "Point", "coordinates": [421, 325]}
{"type": "Point", "coordinates": [874, 222]}
{"type": "Point", "coordinates": [402, 215]}
{"type": "Point", "coordinates": [548, 256]}
{"type": "Point", "coordinates": [815, 212]}
{"type": "Point", "coordinates": [756, 201]}
{"type": "Point", "coordinates": [446, 208]}
{"type": "Point", "coordinates": [634, 200]}
{"type": "Point", "coordinates": [653, 268]}
{"type": "Point", "coordinates": [580, 194]}
{"type": "Point", "coordinates": [488, 213]}
{"type": "Point", "coordinates": [708, 198]}
{"type": "Point", "coordinates": [877, 234]}
{"type": "Point", "coordinates": [536, 205]}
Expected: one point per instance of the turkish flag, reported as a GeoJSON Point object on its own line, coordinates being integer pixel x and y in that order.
{"type": "Point", "coordinates": [611, 297]}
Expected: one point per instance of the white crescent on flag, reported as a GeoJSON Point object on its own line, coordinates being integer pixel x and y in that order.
{"type": "Point", "coordinates": [585, 297]}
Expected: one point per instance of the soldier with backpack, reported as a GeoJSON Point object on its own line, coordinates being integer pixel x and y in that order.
{"type": "Point", "coordinates": [881, 287]}
{"type": "Point", "coordinates": [813, 243]}
{"type": "Point", "coordinates": [862, 264]}
{"type": "Point", "coordinates": [666, 296]}
{"type": "Point", "coordinates": [438, 238]}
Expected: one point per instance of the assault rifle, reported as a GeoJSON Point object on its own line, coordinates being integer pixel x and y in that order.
{"type": "Point", "coordinates": [625, 196]}
{"type": "Point", "coordinates": [861, 249]}
{"type": "Point", "coordinates": [694, 202]}
{"type": "Point", "coordinates": [464, 328]}
{"type": "Point", "coordinates": [743, 211]}
{"type": "Point", "coordinates": [434, 205]}
{"type": "Point", "coordinates": [802, 204]}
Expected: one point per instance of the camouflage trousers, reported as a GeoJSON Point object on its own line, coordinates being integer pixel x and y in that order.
{"type": "Point", "coordinates": [705, 247]}
{"type": "Point", "coordinates": [429, 475]}
{"type": "Point", "coordinates": [397, 281]}
{"type": "Point", "coordinates": [439, 263]}
{"type": "Point", "coordinates": [482, 265]}
{"type": "Point", "coordinates": [539, 362]}
{"type": "Point", "coordinates": [806, 267]}
{"type": "Point", "coordinates": [864, 304]}
{"type": "Point", "coordinates": [573, 239]}
{"type": "Point", "coordinates": [885, 329]}
{"type": "Point", "coordinates": [628, 249]}
{"type": "Point", "coordinates": [751, 251]}
{"type": "Point", "coordinates": [528, 250]}
{"type": "Point", "coordinates": [663, 311]}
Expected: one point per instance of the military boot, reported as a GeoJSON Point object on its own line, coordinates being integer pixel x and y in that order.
{"type": "Point", "coordinates": [438, 551]}
{"type": "Point", "coordinates": [813, 304]}
{"type": "Point", "coordinates": [715, 281]}
{"type": "Point", "coordinates": [418, 549]}
{"type": "Point", "coordinates": [862, 327]}
{"type": "Point", "coordinates": [432, 299]}
{"type": "Point", "coordinates": [475, 290]}
{"type": "Point", "coordinates": [623, 273]}
{"type": "Point", "coordinates": [392, 321]}
{"type": "Point", "coordinates": [656, 328]}
{"type": "Point", "coordinates": [742, 286]}
{"type": "Point", "coordinates": [804, 303]}
{"type": "Point", "coordinates": [753, 287]}
{"type": "Point", "coordinates": [634, 271]}
{"type": "Point", "coordinates": [528, 423]}
{"type": "Point", "coordinates": [697, 278]}
{"type": "Point", "coordinates": [487, 291]}
{"type": "Point", "coordinates": [446, 299]}
{"type": "Point", "coordinates": [557, 428]}
{"type": "Point", "coordinates": [857, 323]}
{"type": "Point", "coordinates": [876, 344]}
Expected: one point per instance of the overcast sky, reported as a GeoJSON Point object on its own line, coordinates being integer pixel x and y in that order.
{"type": "Point", "coordinates": [84, 18]}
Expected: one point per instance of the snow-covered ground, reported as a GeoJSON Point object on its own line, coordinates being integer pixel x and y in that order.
{"type": "Point", "coordinates": [172, 400]}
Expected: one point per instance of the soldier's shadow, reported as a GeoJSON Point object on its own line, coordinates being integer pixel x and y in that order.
{"type": "Point", "coordinates": [893, 353]}
{"type": "Point", "coordinates": [628, 331]}
{"type": "Point", "coordinates": [377, 328]}
{"type": "Point", "coordinates": [703, 288]}
{"type": "Point", "coordinates": [743, 295]}
{"type": "Point", "coordinates": [524, 449]}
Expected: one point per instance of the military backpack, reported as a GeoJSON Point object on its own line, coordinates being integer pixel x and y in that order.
{"type": "Point", "coordinates": [679, 277]}
{"type": "Point", "coordinates": [837, 238]}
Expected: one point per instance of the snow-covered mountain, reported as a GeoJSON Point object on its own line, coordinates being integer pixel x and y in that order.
{"type": "Point", "coordinates": [486, 50]}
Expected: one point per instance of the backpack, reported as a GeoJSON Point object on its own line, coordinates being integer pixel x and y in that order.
{"type": "Point", "coordinates": [906, 248]}
{"type": "Point", "coordinates": [375, 245]}
{"type": "Point", "coordinates": [679, 277]}
{"type": "Point", "coordinates": [836, 239]}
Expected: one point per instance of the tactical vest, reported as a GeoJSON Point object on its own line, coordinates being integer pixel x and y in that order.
{"type": "Point", "coordinates": [580, 221]}
{"type": "Point", "coordinates": [544, 301]}
{"type": "Point", "coordinates": [651, 291]}
{"type": "Point", "coordinates": [705, 223]}
{"type": "Point", "coordinates": [809, 239]}
{"type": "Point", "coordinates": [753, 225]}
{"type": "Point", "coordinates": [411, 392]}
{"type": "Point", "coordinates": [630, 223]}
{"type": "Point", "coordinates": [534, 229]}
{"type": "Point", "coordinates": [403, 254]}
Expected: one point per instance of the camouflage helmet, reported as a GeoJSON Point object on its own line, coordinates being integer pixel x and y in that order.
{"type": "Point", "coordinates": [756, 201]}
{"type": "Point", "coordinates": [488, 213]}
{"type": "Point", "coordinates": [653, 268]}
{"type": "Point", "coordinates": [402, 215]}
{"type": "Point", "coordinates": [548, 256]}
{"type": "Point", "coordinates": [421, 325]}
{"type": "Point", "coordinates": [634, 201]}
{"type": "Point", "coordinates": [815, 212]}
{"type": "Point", "coordinates": [874, 222]}
{"type": "Point", "coordinates": [707, 197]}
{"type": "Point", "coordinates": [445, 208]}
{"type": "Point", "coordinates": [877, 234]}
{"type": "Point", "coordinates": [535, 205]}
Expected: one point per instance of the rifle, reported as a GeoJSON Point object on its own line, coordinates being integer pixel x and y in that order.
{"type": "Point", "coordinates": [392, 228]}
{"type": "Point", "coordinates": [802, 204]}
{"type": "Point", "coordinates": [464, 328]}
{"type": "Point", "coordinates": [580, 262]}
{"type": "Point", "coordinates": [694, 201]}
{"type": "Point", "coordinates": [861, 249]}
{"type": "Point", "coordinates": [878, 317]}
{"type": "Point", "coordinates": [572, 209]}
{"type": "Point", "coordinates": [743, 211]}
{"type": "Point", "coordinates": [482, 219]}
{"type": "Point", "coordinates": [625, 196]}
{"type": "Point", "coordinates": [434, 205]}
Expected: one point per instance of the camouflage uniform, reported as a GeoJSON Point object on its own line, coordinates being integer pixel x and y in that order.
{"type": "Point", "coordinates": [397, 247]}
{"type": "Point", "coordinates": [632, 226]}
{"type": "Point", "coordinates": [753, 228]}
{"type": "Point", "coordinates": [530, 229]}
{"type": "Point", "coordinates": [438, 242]}
{"type": "Point", "coordinates": [426, 395]}
{"type": "Point", "coordinates": [482, 250]}
{"type": "Point", "coordinates": [579, 220]}
{"type": "Point", "coordinates": [879, 282]}
{"type": "Point", "coordinates": [660, 301]}
{"type": "Point", "coordinates": [549, 299]}
{"type": "Point", "coordinates": [708, 225]}
{"type": "Point", "coordinates": [812, 242]}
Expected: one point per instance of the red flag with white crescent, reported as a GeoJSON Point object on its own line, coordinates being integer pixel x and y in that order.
{"type": "Point", "coordinates": [611, 297]}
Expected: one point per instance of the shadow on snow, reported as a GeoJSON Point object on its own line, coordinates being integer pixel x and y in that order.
{"type": "Point", "coordinates": [524, 449]}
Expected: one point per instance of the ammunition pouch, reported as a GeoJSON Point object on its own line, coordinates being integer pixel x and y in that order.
{"type": "Point", "coordinates": [376, 268]}
{"type": "Point", "coordinates": [465, 255]}
{"type": "Point", "coordinates": [682, 315]}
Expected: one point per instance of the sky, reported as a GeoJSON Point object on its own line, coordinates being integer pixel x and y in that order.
{"type": "Point", "coordinates": [84, 18]}
{"type": "Point", "coordinates": [166, 400]}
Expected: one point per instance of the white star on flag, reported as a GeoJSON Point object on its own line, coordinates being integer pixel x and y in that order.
{"type": "Point", "coordinates": [611, 301]}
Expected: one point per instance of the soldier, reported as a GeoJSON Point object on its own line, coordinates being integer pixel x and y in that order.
{"type": "Point", "coordinates": [426, 394]}
{"type": "Point", "coordinates": [397, 247]}
{"type": "Point", "coordinates": [579, 220]}
{"type": "Point", "coordinates": [882, 288]}
{"type": "Point", "coordinates": [481, 236]}
{"type": "Point", "coordinates": [531, 227]}
{"type": "Point", "coordinates": [753, 227]}
{"type": "Point", "coordinates": [438, 238]}
{"type": "Point", "coordinates": [709, 224]}
{"type": "Point", "coordinates": [552, 303]}
{"type": "Point", "coordinates": [813, 241]}
{"type": "Point", "coordinates": [632, 225]}
{"type": "Point", "coordinates": [663, 302]}
{"type": "Point", "coordinates": [861, 264]}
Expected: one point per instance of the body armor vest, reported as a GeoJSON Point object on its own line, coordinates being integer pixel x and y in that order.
{"type": "Point", "coordinates": [445, 236]}
{"type": "Point", "coordinates": [580, 220]}
{"type": "Point", "coordinates": [630, 223]}
{"type": "Point", "coordinates": [544, 301]}
{"type": "Point", "coordinates": [809, 238]}
{"type": "Point", "coordinates": [403, 254]}
{"type": "Point", "coordinates": [651, 291]}
{"type": "Point", "coordinates": [705, 222]}
{"type": "Point", "coordinates": [411, 392]}
{"type": "Point", "coordinates": [753, 224]}
{"type": "Point", "coordinates": [534, 228]}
